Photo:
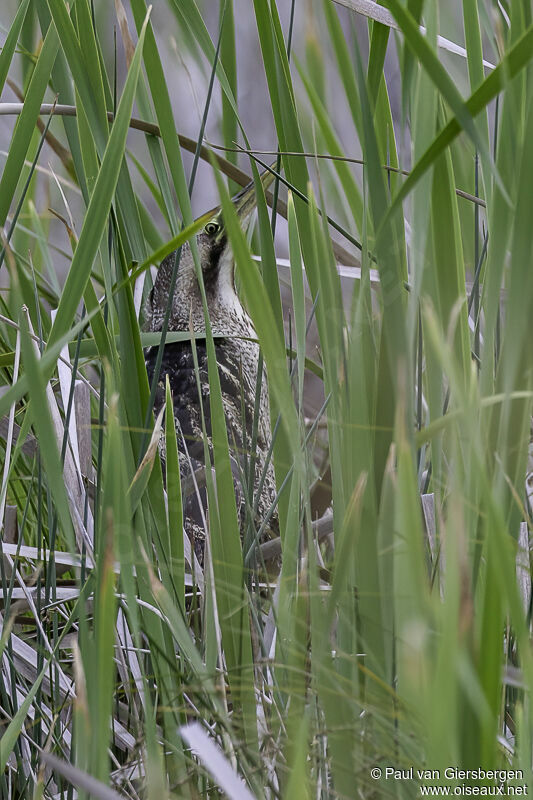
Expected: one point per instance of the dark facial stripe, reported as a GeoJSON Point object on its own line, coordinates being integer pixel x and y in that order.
{"type": "Point", "coordinates": [215, 252]}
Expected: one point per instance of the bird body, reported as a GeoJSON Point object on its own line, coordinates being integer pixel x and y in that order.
{"type": "Point", "coordinates": [237, 357]}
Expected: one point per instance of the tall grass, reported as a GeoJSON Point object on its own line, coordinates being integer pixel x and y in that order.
{"type": "Point", "coordinates": [397, 633]}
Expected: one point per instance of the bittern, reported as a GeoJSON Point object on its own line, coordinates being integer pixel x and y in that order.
{"type": "Point", "coordinates": [237, 359]}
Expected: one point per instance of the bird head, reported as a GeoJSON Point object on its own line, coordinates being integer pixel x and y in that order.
{"type": "Point", "coordinates": [218, 273]}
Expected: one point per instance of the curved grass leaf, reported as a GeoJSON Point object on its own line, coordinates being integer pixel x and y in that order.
{"type": "Point", "coordinates": [99, 204]}
{"type": "Point", "coordinates": [25, 127]}
{"type": "Point", "coordinates": [8, 50]}
{"type": "Point", "coordinates": [515, 60]}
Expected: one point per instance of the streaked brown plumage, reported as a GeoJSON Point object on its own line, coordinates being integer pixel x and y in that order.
{"type": "Point", "coordinates": [237, 360]}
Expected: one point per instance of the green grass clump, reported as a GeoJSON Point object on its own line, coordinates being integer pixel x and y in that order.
{"type": "Point", "coordinates": [397, 633]}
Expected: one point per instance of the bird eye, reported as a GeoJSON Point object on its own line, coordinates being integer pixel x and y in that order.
{"type": "Point", "coordinates": [211, 228]}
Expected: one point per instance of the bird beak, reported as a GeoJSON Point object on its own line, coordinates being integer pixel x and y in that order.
{"type": "Point", "coordinates": [245, 201]}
